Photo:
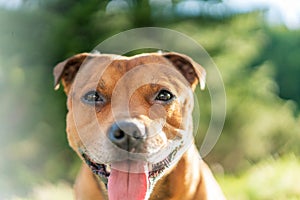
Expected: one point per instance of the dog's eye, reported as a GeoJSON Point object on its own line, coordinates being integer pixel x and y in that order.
{"type": "Point", "coordinates": [93, 97]}
{"type": "Point", "coordinates": [164, 95]}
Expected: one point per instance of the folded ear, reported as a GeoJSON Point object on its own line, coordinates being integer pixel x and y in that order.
{"type": "Point", "coordinates": [66, 71]}
{"type": "Point", "coordinates": [192, 71]}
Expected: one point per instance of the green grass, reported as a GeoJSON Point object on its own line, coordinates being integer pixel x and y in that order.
{"type": "Point", "coordinates": [270, 180]}
{"type": "Point", "coordinates": [61, 191]}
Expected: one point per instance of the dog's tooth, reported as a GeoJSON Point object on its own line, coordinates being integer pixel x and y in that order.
{"type": "Point", "coordinates": [107, 167]}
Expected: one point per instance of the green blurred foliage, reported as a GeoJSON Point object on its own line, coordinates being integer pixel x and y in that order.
{"type": "Point", "coordinates": [259, 66]}
{"type": "Point", "coordinates": [283, 50]}
{"type": "Point", "coordinates": [265, 181]}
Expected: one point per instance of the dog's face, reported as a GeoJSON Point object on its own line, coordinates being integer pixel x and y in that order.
{"type": "Point", "coordinates": [129, 118]}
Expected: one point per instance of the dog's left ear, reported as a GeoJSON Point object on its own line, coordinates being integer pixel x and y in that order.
{"type": "Point", "coordinates": [192, 71]}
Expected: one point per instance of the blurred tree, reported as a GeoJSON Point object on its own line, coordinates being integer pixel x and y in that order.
{"type": "Point", "coordinates": [283, 50]}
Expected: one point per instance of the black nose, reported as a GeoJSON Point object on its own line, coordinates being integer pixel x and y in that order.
{"type": "Point", "coordinates": [127, 135]}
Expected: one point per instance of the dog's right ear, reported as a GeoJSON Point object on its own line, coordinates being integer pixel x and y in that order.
{"type": "Point", "coordinates": [66, 71]}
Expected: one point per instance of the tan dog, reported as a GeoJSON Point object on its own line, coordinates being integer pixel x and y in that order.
{"type": "Point", "coordinates": [130, 121]}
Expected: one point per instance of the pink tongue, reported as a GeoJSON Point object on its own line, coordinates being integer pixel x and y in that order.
{"type": "Point", "coordinates": [127, 181]}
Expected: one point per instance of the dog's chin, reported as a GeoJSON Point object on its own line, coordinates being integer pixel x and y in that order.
{"type": "Point", "coordinates": [156, 170]}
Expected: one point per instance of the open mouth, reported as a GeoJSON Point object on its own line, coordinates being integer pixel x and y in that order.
{"type": "Point", "coordinates": [103, 171]}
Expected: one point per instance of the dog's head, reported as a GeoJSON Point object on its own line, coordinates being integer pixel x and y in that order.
{"type": "Point", "coordinates": [129, 118]}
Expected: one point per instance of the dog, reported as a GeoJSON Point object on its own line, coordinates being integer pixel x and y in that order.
{"type": "Point", "coordinates": [130, 121]}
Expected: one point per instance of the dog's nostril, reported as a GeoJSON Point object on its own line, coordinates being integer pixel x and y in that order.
{"type": "Point", "coordinates": [119, 134]}
{"type": "Point", "coordinates": [137, 135]}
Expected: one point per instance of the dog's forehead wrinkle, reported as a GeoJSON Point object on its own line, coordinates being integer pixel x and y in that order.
{"type": "Point", "coordinates": [101, 84]}
{"type": "Point", "coordinates": [90, 72]}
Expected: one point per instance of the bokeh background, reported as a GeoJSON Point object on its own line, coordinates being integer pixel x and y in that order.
{"type": "Point", "coordinates": [255, 44]}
